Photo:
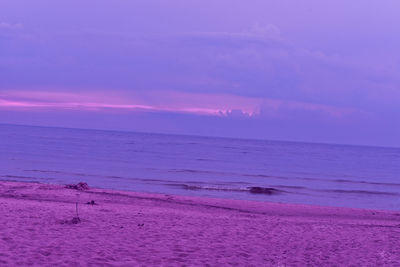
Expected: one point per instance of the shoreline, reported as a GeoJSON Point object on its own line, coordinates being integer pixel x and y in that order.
{"type": "Point", "coordinates": [216, 198]}
{"type": "Point", "coordinates": [185, 199]}
{"type": "Point", "coordinates": [125, 228]}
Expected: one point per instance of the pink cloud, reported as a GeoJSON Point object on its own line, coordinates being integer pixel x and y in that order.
{"type": "Point", "coordinates": [157, 101]}
{"type": "Point", "coordinates": [201, 104]}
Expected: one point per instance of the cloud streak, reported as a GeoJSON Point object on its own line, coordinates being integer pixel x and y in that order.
{"type": "Point", "coordinates": [175, 102]}
{"type": "Point", "coordinates": [10, 26]}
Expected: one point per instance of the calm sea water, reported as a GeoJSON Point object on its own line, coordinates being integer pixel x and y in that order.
{"type": "Point", "coordinates": [319, 174]}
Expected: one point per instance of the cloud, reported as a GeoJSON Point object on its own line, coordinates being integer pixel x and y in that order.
{"type": "Point", "coordinates": [175, 102]}
{"type": "Point", "coordinates": [268, 31]}
{"type": "Point", "coordinates": [219, 105]}
{"type": "Point", "coordinates": [268, 65]}
{"type": "Point", "coordinates": [10, 26]}
{"type": "Point", "coordinates": [258, 36]}
{"type": "Point", "coordinates": [250, 75]}
{"type": "Point", "coordinates": [259, 62]}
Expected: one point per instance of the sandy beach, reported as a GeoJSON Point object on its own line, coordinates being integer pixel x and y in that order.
{"type": "Point", "coordinates": [140, 229]}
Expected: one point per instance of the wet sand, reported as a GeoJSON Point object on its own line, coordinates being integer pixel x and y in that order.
{"type": "Point", "coordinates": [140, 229]}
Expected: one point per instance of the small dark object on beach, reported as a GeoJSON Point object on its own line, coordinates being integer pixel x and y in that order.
{"type": "Point", "coordinates": [79, 186]}
{"type": "Point", "coordinates": [75, 220]}
{"type": "Point", "coordinates": [140, 224]}
{"type": "Point", "coordinates": [91, 202]}
{"type": "Point", "coordinates": [263, 190]}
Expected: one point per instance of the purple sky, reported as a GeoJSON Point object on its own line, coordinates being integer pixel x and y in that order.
{"type": "Point", "coordinates": [311, 70]}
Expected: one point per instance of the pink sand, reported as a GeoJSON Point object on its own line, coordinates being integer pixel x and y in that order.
{"type": "Point", "coordinates": [179, 231]}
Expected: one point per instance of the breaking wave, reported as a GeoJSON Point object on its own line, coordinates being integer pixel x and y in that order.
{"type": "Point", "coordinates": [251, 189]}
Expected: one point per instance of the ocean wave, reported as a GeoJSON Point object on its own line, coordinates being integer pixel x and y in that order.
{"type": "Point", "coordinates": [251, 189]}
{"type": "Point", "coordinates": [62, 172]}
{"type": "Point", "coordinates": [195, 171]}
{"type": "Point", "coordinates": [17, 177]}
{"type": "Point", "coordinates": [323, 180]}
{"type": "Point", "coordinates": [292, 187]}
{"type": "Point", "coordinates": [232, 186]}
{"type": "Point", "coordinates": [364, 182]}
{"type": "Point", "coordinates": [266, 176]}
{"type": "Point", "coordinates": [362, 192]}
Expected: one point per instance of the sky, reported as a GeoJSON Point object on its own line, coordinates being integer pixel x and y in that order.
{"type": "Point", "coordinates": [315, 71]}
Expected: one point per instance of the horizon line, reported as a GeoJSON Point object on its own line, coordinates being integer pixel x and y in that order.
{"type": "Point", "coordinates": [204, 136]}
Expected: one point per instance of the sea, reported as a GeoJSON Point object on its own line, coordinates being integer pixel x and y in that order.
{"type": "Point", "coordinates": [259, 170]}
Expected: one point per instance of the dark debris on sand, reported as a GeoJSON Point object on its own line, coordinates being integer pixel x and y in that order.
{"type": "Point", "coordinates": [92, 202]}
{"type": "Point", "coordinates": [79, 186]}
{"type": "Point", "coordinates": [74, 220]}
